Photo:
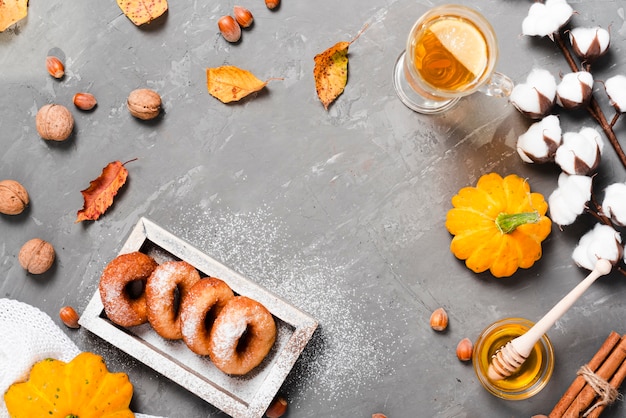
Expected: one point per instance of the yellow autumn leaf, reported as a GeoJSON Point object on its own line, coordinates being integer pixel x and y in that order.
{"type": "Point", "coordinates": [229, 83]}
{"type": "Point", "coordinates": [331, 71]}
{"type": "Point", "coordinates": [142, 11]}
{"type": "Point", "coordinates": [12, 11]}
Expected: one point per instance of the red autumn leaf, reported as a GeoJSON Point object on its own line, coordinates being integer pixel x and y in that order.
{"type": "Point", "coordinates": [101, 191]}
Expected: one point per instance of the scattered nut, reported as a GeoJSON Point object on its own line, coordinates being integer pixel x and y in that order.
{"type": "Point", "coordinates": [69, 317]}
{"type": "Point", "coordinates": [464, 349]}
{"type": "Point", "coordinates": [84, 101]}
{"type": "Point", "coordinates": [36, 256]}
{"type": "Point", "coordinates": [379, 416]}
{"type": "Point", "coordinates": [13, 197]}
{"type": "Point", "coordinates": [54, 122]}
{"type": "Point", "coordinates": [272, 4]}
{"type": "Point", "coordinates": [277, 408]}
{"type": "Point", "coordinates": [230, 29]}
{"type": "Point", "coordinates": [439, 319]}
{"type": "Point", "coordinates": [243, 16]}
{"type": "Point", "coordinates": [55, 67]}
{"type": "Point", "coordinates": [144, 104]}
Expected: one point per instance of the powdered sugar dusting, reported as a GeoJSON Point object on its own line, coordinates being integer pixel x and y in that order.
{"type": "Point", "coordinates": [226, 336]}
{"type": "Point", "coordinates": [344, 354]}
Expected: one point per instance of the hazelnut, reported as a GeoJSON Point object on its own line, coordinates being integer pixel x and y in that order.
{"type": "Point", "coordinates": [36, 256]}
{"type": "Point", "coordinates": [69, 316]}
{"type": "Point", "coordinates": [439, 319]}
{"type": "Point", "coordinates": [230, 29]}
{"type": "Point", "coordinates": [272, 4]}
{"type": "Point", "coordinates": [55, 67]}
{"type": "Point", "coordinates": [144, 104]}
{"type": "Point", "coordinates": [84, 101]}
{"type": "Point", "coordinates": [13, 197]}
{"type": "Point", "coordinates": [277, 408]}
{"type": "Point", "coordinates": [464, 349]}
{"type": "Point", "coordinates": [243, 16]}
{"type": "Point", "coordinates": [54, 122]}
{"type": "Point", "coordinates": [379, 416]}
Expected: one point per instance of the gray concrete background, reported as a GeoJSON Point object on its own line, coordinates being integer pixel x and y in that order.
{"type": "Point", "coordinates": [340, 212]}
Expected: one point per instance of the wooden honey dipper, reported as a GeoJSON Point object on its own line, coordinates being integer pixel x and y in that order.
{"type": "Point", "coordinates": [510, 357]}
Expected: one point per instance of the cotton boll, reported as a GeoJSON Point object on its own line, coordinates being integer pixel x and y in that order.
{"type": "Point", "coordinates": [580, 152]}
{"type": "Point", "coordinates": [614, 204]}
{"type": "Point", "coordinates": [616, 90]}
{"type": "Point", "coordinates": [575, 89]}
{"type": "Point", "coordinates": [577, 190]}
{"type": "Point", "coordinates": [590, 43]}
{"type": "Point", "coordinates": [540, 142]}
{"type": "Point", "coordinates": [601, 242]}
{"type": "Point", "coordinates": [569, 200]}
{"type": "Point", "coordinates": [535, 98]}
{"type": "Point", "coordinates": [546, 19]}
{"type": "Point", "coordinates": [593, 135]}
{"type": "Point", "coordinates": [560, 212]}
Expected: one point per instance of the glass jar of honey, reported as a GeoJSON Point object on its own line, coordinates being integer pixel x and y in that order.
{"type": "Point", "coordinates": [534, 373]}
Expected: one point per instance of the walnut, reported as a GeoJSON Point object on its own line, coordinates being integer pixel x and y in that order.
{"type": "Point", "coordinates": [36, 256]}
{"type": "Point", "coordinates": [54, 122]}
{"type": "Point", "coordinates": [13, 197]}
{"type": "Point", "coordinates": [144, 104]}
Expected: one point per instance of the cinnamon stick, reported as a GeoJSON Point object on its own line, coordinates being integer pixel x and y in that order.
{"type": "Point", "coordinates": [616, 381]}
{"type": "Point", "coordinates": [579, 382]}
{"type": "Point", "coordinates": [587, 394]}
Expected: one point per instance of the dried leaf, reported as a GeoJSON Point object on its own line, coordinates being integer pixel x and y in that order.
{"type": "Point", "coordinates": [101, 191]}
{"type": "Point", "coordinates": [142, 11]}
{"type": "Point", "coordinates": [229, 83]}
{"type": "Point", "coordinates": [331, 71]}
{"type": "Point", "coordinates": [12, 11]}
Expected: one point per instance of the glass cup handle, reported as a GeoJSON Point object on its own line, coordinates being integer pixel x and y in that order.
{"type": "Point", "coordinates": [498, 85]}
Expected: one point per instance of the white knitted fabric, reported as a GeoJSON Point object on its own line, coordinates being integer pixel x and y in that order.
{"type": "Point", "coordinates": [29, 335]}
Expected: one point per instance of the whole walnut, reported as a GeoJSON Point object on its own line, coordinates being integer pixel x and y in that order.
{"type": "Point", "coordinates": [13, 197]}
{"type": "Point", "coordinates": [144, 104]}
{"type": "Point", "coordinates": [54, 122]}
{"type": "Point", "coordinates": [36, 256]}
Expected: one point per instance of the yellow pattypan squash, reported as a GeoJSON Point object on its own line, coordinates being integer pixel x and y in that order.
{"type": "Point", "coordinates": [498, 225]}
{"type": "Point", "coordinates": [82, 388]}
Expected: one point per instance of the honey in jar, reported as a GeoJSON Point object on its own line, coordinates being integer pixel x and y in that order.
{"type": "Point", "coordinates": [532, 376]}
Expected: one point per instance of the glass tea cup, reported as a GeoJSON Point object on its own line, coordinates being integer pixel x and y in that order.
{"type": "Point", "coordinates": [451, 52]}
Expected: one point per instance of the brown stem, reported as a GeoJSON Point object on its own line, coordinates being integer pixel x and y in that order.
{"type": "Point", "coordinates": [597, 212]}
{"type": "Point", "coordinates": [594, 108]}
{"type": "Point", "coordinates": [566, 53]}
{"type": "Point", "coordinates": [615, 118]}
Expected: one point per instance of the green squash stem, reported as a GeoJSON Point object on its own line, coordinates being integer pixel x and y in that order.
{"type": "Point", "coordinates": [508, 222]}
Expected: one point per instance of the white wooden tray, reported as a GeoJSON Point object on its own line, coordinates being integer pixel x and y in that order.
{"type": "Point", "coordinates": [241, 397]}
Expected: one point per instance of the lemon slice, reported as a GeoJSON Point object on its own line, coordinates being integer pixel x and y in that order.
{"type": "Point", "coordinates": [464, 41]}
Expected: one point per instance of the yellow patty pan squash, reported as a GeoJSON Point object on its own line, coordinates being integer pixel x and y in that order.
{"type": "Point", "coordinates": [498, 225]}
{"type": "Point", "coordinates": [82, 388]}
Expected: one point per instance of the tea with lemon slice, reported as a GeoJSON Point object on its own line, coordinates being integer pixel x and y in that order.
{"type": "Point", "coordinates": [451, 54]}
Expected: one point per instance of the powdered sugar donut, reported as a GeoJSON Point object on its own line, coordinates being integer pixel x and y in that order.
{"type": "Point", "coordinates": [119, 305]}
{"type": "Point", "coordinates": [242, 335]}
{"type": "Point", "coordinates": [167, 285]}
{"type": "Point", "coordinates": [198, 311]}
